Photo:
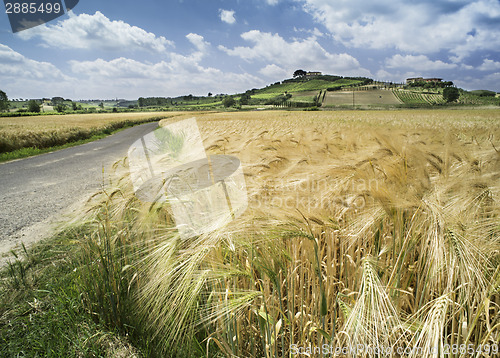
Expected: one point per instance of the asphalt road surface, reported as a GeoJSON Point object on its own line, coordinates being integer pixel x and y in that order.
{"type": "Point", "coordinates": [36, 189]}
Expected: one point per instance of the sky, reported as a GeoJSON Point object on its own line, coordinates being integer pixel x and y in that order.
{"type": "Point", "coordinates": [129, 49]}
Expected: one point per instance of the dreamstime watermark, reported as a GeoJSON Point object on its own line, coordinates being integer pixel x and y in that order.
{"type": "Point", "coordinates": [363, 350]}
{"type": "Point", "coordinates": [309, 193]}
{"type": "Point", "coordinates": [25, 14]}
{"type": "Point", "coordinates": [296, 201]}
{"type": "Point", "coordinates": [170, 165]}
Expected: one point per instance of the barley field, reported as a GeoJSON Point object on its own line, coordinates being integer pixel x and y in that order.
{"type": "Point", "coordinates": [367, 234]}
{"type": "Point", "coordinates": [48, 131]}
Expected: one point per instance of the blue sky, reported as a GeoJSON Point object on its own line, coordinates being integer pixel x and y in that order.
{"type": "Point", "coordinates": [127, 49]}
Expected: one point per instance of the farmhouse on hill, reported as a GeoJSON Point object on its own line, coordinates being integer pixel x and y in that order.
{"type": "Point", "coordinates": [421, 79]}
{"type": "Point", "coordinates": [313, 74]}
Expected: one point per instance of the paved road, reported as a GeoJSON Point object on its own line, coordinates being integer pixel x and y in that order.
{"type": "Point", "coordinates": [33, 190]}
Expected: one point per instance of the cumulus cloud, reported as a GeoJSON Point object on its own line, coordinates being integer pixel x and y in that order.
{"type": "Point", "coordinates": [198, 41]}
{"type": "Point", "coordinates": [307, 53]}
{"type": "Point", "coordinates": [383, 75]}
{"type": "Point", "coordinates": [179, 75]}
{"type": "Point", "coordinates": [227, 16]}
{"type": "Point", "coordinates": [273, 71]}
{"type": "Point", "coordinates": [418, 63]}
{"type": "Point", "coordinates": [272, 2]}
{"type": "Point", "coordinates": [489, 65]}
{"type": "Point", "coordinates": [96, 32]}
{"type": "Point", "coordinates": [23, 77]}
{"type": "Point", "coordinates": [460, 27]}
{"type": "Point", "coordinates": [488, 82]}
{"type": "Point", "coordinates": [200, 44]}
{"type": "Point", "coordinates": [13, 65]}
{"type": "Point", "coordinates": [121, 77]}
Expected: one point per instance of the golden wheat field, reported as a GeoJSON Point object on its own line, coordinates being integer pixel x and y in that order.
{"type": "Point", "coordinates": [47, 131]}
{"type": "Point", "coordinates": [55, 122]}
{"type": "Point", "coordinates": [367, 234]}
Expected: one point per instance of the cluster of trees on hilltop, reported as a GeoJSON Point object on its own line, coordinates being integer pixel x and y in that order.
{"type": "Point", "coordinates": [154, 101]}
{"type": "Point", "coordinates": [425, 84]}
{"type": "Point", "coordinates": [484, 93]}
{"type": "Point", "coordinates": [169, 101]}
{"type": "Point", "coordinates": [301, 75]}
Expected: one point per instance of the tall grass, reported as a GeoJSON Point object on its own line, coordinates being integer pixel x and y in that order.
{"type": "Point", "coordinates": [358, 236]}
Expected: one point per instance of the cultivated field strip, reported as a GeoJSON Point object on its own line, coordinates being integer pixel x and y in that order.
{"type": "Point", "coordinates": [408, 97]}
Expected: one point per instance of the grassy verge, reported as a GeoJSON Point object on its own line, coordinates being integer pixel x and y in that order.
{"type": "Point", "coordinates": [32, 151]}
{"type": "Point", "coordinates": [41, 311]}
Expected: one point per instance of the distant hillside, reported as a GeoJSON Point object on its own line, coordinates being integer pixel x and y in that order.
{"type": "Point", "coordinates": [323, 91]}
{"type": "Point", "coordinates": [417, 96]}
{"type": "Point", "coordinates": [316, 83]}
{"type": "Point", "coordinates": [305, 91]}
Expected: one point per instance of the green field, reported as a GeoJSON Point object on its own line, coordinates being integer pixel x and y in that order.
{"type": "Point", "coordinates": [421, 97]}
{"type": "Point", "coordinates": [310, 85]}
{"type": "Point", "coordinates": [418, 97]}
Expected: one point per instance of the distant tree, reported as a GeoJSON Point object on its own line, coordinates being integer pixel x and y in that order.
{"type": "Point", "coordinates": [33, 106]}
{"type": "Point", "coordinates": [4, 101]}
{"type": "Point", "coordinates": [451, 94]}
{"type": "Point", "coordinates": [74, 106]}
{"type": "Point", "coordinates": [210, 94]}
{"type": "Point", "coordinates": [228, 101]}
{"type": "Point", "coordinates": [484, 93]}
{"type": "Point", "coordinates": [244, 99]}
{"type": "Point", "coordinates": [57, 100]}
{"type": "Point", "coordinates": [299, 73]}
{"type": "Point", "coordinates": [101, 105]}
{"type": "Point", "coordinates": [141, 102]}
{"type": "Point", "coordinates": [60, 108]}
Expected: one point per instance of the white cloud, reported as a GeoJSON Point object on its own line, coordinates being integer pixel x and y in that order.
{"type": "Point", "coordinates": [273, 71]}
{"type": "Point", "coordinates": [121, 77]}
{"type": "Point", "coordinates": [307, 53]}
{"type": "Point", "coordinates": [383, 75]}
{"type": "Point", "coordinates": [272, 2]}
{"type": "Point", "coordinates": [16, 66]}
{"type": "Point", "coordinates": [489, 65]}
{"type": "Point", "coordinates": [488, 82]}
{"type": "Point", "coordinates": [198, 41]}
{"type": "Point", "coordinates": [128, 78]}
{"type": "Point", "coordinates": [96, 32]}
{"type": "Point", "coordinates": [201, 45]}
{"type": "Point", "coordinates": [23, 77]}
{"type": "Point", "coordinates": [463, 66]}
{"type": "Point", "coordinates": [460, 26]}
{"type": "Point", "coordinates": [418, 63]}
{"type": "Point", "coordinates": [314, 32]}
{"type": "Point", "coordinates": [227, 16]}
